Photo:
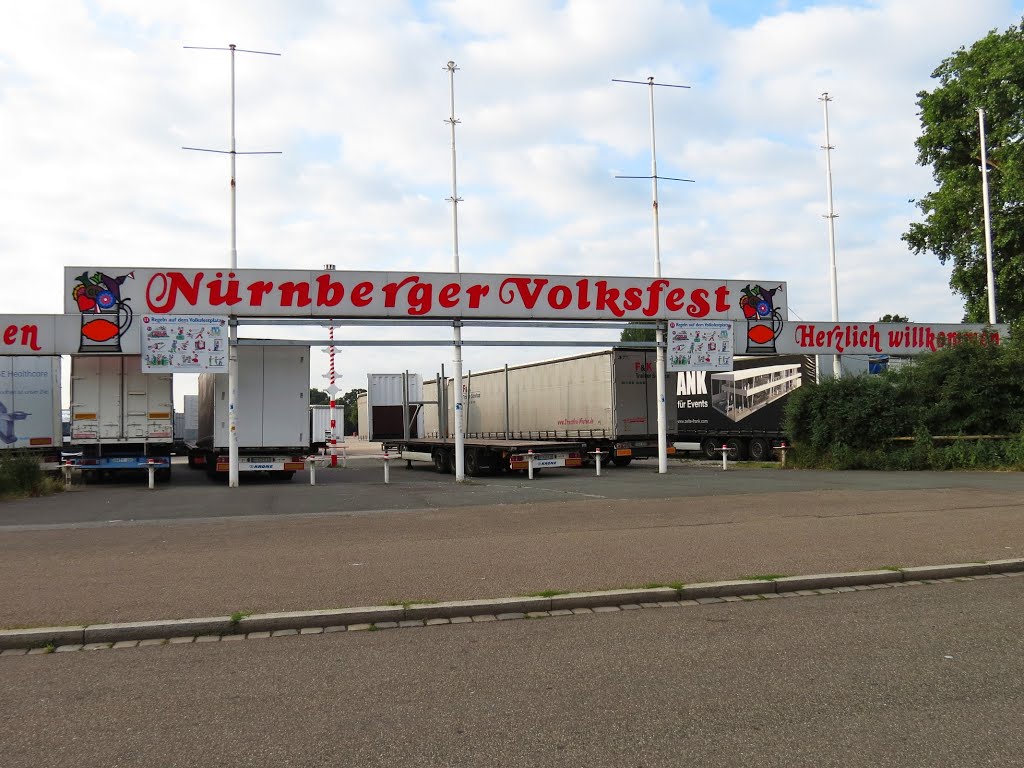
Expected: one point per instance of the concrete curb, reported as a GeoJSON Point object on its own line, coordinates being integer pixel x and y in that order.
{"type": "Point", "coordinates": [419, 614]}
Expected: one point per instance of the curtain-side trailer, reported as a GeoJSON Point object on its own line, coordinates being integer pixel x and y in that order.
{"type": "Point", "coordinates": [273, 413]}
{"type": "Point", "coordinates": [121, 418]}
{"type": "Point", "coordinates": [604, 400]}
{"type": "Point", "coordinates": [30, 408]}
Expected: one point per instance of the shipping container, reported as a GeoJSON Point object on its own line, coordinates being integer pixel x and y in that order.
{"type": "Point", "coordinates": [273, 413]}
{"type": "Point", "coordinates": [30, 407]}
{"type": "Point", "coordinates": [121, 418]}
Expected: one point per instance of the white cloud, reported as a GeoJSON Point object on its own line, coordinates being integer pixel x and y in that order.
{"type": "Point", "coordinates": [99, 97]}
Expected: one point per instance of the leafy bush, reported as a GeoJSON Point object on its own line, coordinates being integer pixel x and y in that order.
{"type": "Point", "coordinates": [20, 474]}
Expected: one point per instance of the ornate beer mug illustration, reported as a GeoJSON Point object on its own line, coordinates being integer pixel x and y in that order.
{"type": "Point", "coordinates": [105, 314]}
{"type": "Point", "coordinates": [764, 321]}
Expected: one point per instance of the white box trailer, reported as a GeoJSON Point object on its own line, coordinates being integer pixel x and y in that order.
{"type": "Point", "coordinates": [30, 407]}
{"type": "Point", "coordinates": [388, 397]}
{"type": "Point", "coordinates": [121, 418]}
{"type": "Point", "coordinates": [606, 400]}
{"type": "Point", "coordinates": [273, 413]}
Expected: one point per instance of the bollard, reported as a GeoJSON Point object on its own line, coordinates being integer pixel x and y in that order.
{"type": "Point", "coordinates": [311, 460]}
{"type": "Point", "coordinates": [725, 453]}
{"type": "Point", "coordinates": [387, 468]}
{"type": "Point", "coordinates": [529, 464]}
{"type": "Point", "coordinates": [67, 475]}
{"type": "Point", "coordinates": [598, 454]}
{"type": "Point", "coordinates": [344, 456]}
{"type": "Point", "coordinates": [151, 466]}
{"type": "Point", "coordinates": [782, 452]}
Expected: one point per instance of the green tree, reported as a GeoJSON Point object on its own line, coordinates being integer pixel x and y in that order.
{"type": "Point", "coordinates": [887, 318]}
{"type": "Point", "coordinates": [632, 333]}
{"type": "Point", "coordinates": [350, 409]}
{"type": "Point", "coordinates": [989, 75]}
{"type": "Point", "coordinates": [318, 397]}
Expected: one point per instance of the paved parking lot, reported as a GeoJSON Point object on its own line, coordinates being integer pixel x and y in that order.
{"type": "Point", "coordinates": [119, 552]}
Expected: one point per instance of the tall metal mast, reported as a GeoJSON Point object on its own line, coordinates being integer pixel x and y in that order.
{"type": "Point", "coordinates": [460, 403]}
{"type": "Point", "coordinates": [232, 320]}
{"type": "Point", "coordinates": [837, 367]}
{"type": "Point", "coordinates": [660, 333]}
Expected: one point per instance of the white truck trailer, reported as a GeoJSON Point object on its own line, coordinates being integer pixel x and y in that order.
{"type": "Point", "coordinates": [605, 400]}
{"type": "Point", "coordinates": [273, 413]}
{"type": "Point", "coordinates": [30, 412]}
{"type": "Point", "coordinates": [121, 418]}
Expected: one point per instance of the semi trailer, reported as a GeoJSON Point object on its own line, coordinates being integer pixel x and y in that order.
{"type": "Point", "coordinates": [30, 408]}
{"type": "Point", "coordinates": [121, 418]}
{"type": "Point", "coordinates": [273, 414]}
{"type": "Point", "coordinates": [603, 401]}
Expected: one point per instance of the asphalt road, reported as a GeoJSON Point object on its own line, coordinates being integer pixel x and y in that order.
{"type": "Point", "coordinates": [917, 676]}
{"type": "Point", "coordinates": [122, 553]}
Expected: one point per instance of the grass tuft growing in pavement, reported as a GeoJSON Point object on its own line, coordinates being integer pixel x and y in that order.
{"type": "Point", "coordinates": [407, 603]}
{"type": "Point", "coordinates": [764, 577]}
{"type": "Point", "coordinates": [237, 616]}
{"type": "Point", "coordinates": [548, 593]}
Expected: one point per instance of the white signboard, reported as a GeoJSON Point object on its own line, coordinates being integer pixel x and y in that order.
{"type": "Point", "coordinates": [184, 343]}
{"type": "Point", "coordinates": [699, 345]}
{"type": "Point", "coordinates": [109, 297]}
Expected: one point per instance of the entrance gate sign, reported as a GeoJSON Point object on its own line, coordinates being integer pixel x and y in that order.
{"type": "Point", "coordinates": [256, 293]}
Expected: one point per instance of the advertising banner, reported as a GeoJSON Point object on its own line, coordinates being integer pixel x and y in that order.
{"type": "Point", "coordinates": [750, 398]}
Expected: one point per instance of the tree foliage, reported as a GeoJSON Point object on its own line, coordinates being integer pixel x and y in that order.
{"type": "Point", "coordinates": [632, 333]}
{"type": "Point", "coordinates": [318, 397]}
{"type": "Point", "coordinates": [989, 75]}
{"type": "Point", "coordinates": [890, 318]}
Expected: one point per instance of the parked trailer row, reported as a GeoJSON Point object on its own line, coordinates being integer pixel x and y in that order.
{"type": "Point", "coordinates": [607, 401]}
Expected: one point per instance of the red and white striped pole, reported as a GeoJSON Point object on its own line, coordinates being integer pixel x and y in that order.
{"type": "Point", "coordinates": [333, 390]}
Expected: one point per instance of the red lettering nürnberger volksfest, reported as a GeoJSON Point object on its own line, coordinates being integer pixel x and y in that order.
{"type": "Point", "coordinates": [172, 291]}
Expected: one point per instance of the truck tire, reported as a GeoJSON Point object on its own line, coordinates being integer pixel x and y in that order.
{"type": "Point", "coordinates": [759, 449]}
{"type": "Point", "coordinates": [622, 461]}
{"type": "Point", "coordinates": [737, 448]}
{"type": "Point", "coordinates": [442, 461]}
{"type": "Point", "coordinates": [472, 462]}
{"type": "Point", "coordinates": [710, 448]}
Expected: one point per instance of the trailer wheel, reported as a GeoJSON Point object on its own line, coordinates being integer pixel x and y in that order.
{"type": "Point", "coordinates": [710, 448]}
{"type": "Point", "coordinates": [472, 462]}
{"type": "Point", "coordinates": [162, 475]}
{"type": "Point", "coordinates": [759, 450]}
{"type": "Point", "coordinates": [622, 461]}
{"type": "Point", "coordinates": [737, 448]}
{"type": "Point", "coordinates": [442, 461]}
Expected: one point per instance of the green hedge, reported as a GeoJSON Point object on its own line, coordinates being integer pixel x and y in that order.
{"type": "Point", "coordinates": [965, 390]}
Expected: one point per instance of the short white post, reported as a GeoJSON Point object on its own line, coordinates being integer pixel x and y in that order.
{"type": "Point", "coordinates": [529, 464]}
{"type": "Point", "coordinates": [387, 468]}
{"type": "Point", "coordinates": [782, 451]}
{"type": "Point", "coordinates": [151, 466]}
{"type": "Point", "coordinates": [344, 455]}
{"type": "Point", "coordinates": [311, 460]}
{"type": "Point", "coordinates": [725, 453]}
{"type": "Point", "coordinates": [67, 475]}
{"type": "Point", "coordinates": [597, 455]}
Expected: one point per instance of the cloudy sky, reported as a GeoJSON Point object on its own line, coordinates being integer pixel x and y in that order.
{"type": "Point", "coordinates": [98, 98]}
